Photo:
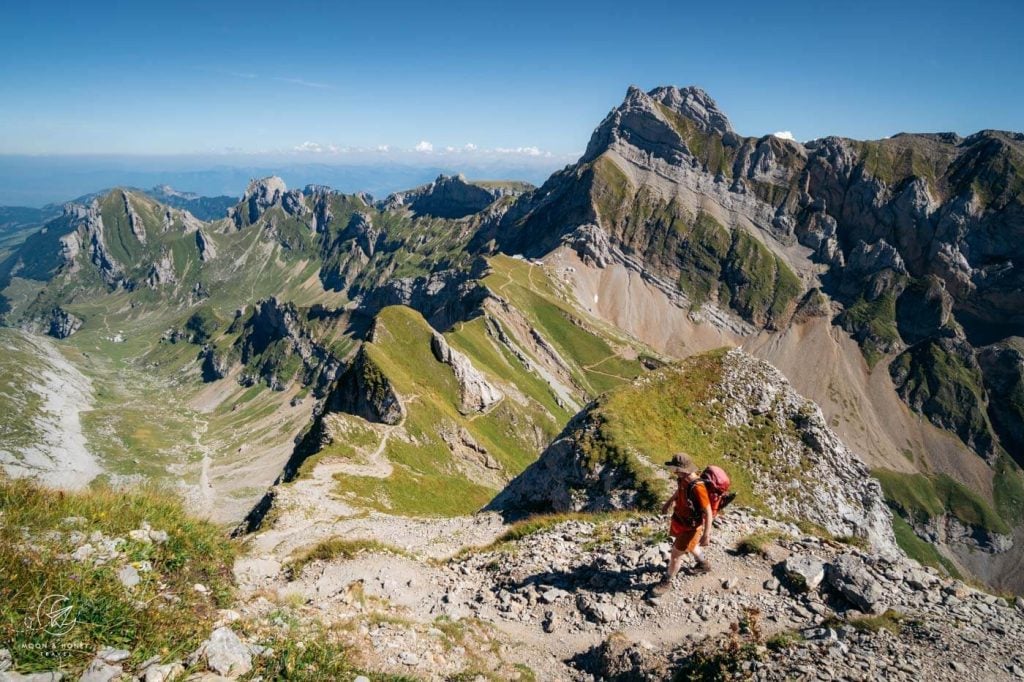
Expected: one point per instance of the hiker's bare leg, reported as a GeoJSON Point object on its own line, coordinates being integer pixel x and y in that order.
{"type": "Point", "coordinates": [675, 563]}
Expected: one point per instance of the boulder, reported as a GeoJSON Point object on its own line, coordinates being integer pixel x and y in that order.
{"type": "Point", "coordinates": [226, 654]}
{"type": "Point", "coordinates": [128, 576]}
{"type": "Point", "coordinates": [163, 673]}
{"type": "Point", "coordinates": [804, 572]}
{"type": "Point", "coordinates": [850, 578]}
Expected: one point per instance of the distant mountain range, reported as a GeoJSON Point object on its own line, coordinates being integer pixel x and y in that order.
{"type": "Point", "coordinates": [448, 334]}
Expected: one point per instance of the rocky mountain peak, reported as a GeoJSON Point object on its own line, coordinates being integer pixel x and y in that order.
{"type": "Point", "coordinates": [263, 194]}
{"type": "Point", "coordinates": [695, 104]}
{"type": "Point", "coordinates": [660, 122]}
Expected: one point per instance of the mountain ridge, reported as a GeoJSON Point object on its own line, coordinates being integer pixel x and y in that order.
{"type": "Point", "coordinates": [896, 244]}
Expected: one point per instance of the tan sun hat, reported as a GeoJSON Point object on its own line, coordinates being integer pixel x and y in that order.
{"type": "Point", "coordinates": [681, 462]}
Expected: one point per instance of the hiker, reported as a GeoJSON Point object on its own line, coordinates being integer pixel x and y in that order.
{"type": "Point", "coordinates": [694, 504]}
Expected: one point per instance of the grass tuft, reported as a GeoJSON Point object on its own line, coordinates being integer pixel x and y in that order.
{"type": "Point", "coordinates": [339, 548]}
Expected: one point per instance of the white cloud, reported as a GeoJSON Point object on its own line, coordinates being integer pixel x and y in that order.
{"type": "Point", "coordinates": [784, 135]}
{"type": "Point", "coordinates": [383, 147]}
{"type": "Point", "coordinates": [308, 146]}
{"type": "Point", "coordinates": [469, 147]}
{"type": "Point", "coordinates": [525, 151]}
{"type": "Point", "coordinates": [424, 147]}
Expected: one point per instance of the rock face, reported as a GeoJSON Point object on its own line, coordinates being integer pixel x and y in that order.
{"type": "Point", "coordinates": [162, 272]}
{"type": "Point", "coordinates": [363, 390]}
{"type": "Point", "coordinates": [262, 195]}
{"type": "Point", "coordinates": [207, 249]}
{"type": "Point", "coordinates": [919, 235]}
{"type": "Point", "coordinates": [62, 324]}
{"type": "Point", "coordinates": [476, 393]}
{"type": "Point", "coordinates": [276, 331]}
{"type": "Point", "coordinates": [807, 474]}
{"type": "Point", "coordinates": [1002, 366]}
{"type": "Point", "coordinates": [443, 297]}
{"type": "Point", "coordinates": [835, 488]}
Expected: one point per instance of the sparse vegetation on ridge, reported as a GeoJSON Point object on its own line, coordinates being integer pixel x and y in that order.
{"type": "Point", "coordinates": [163, 615]}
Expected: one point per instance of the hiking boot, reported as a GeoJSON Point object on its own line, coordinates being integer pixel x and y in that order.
{"type": "Point", "coordinates": [662, 587]}
{"type": "Point", "coordinates": [701, 568]}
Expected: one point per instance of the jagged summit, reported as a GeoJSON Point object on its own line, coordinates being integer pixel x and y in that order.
{"type": "Point", "coordinates": [695, 104]}
{"type": "Point", "coordinates": [263, 194]}
{"type": "Point", "coordinates": [657, 122]}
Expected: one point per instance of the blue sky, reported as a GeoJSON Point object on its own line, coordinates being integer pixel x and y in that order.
{"type": "Point", "coordinates": [528, 79]}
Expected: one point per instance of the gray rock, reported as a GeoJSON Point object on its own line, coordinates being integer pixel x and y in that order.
{"type": "Point", "coordinates": [804, 572]}
{"type": "Point", "coordinates": [12, 676]}
{"type": "Point", "coordinates": [63, 324]}
{"type": "Point", "coordinates": [112, 655]}
{"type": "Point", "coordinates": [552, 595]}
{"type": "Point", "coordinates": [163, 673]}
{"type": "Point", "coordinates": [128, 576]}
{"type": "Point", "coordinates": [226, 654]}
{"type": "Point", "coordinates": [100, 671]}
{"type": "Point", "coordinates": [140, 535]}
{"type": "Point", "coordinates": [476, 393]}
{"type": "Point", "coordinates": [848, 576]}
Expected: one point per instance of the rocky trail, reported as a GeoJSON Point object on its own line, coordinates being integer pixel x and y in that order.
{"type": "Point", "coordinates": [570, 601]}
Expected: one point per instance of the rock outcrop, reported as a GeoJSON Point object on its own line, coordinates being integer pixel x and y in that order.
{"type": "Point", "coordinates": [1002, 366]}
{"type": "Point", "coordinates": [62, 323]}
{"type": "Point", "coordinates": [476, 393]}
{"type": "Point", "coordinates": [806, 472]}
{"type": "Point", "coordinates": [365, 391]}
{"type": "Point", "coordinates": [207, 249]}
{"type": "Point", "coordinates": [273, 334]}
{"type": "Point", "coordinates": [262, 195]}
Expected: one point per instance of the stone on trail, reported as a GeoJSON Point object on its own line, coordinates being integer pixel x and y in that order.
{"type": "Point", "coordinates": [804, 572]}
